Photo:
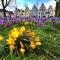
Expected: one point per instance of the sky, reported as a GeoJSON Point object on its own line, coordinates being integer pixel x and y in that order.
{"type": "Point", "coordinates": [30, 3]}
{"type": "Point", "coordinates": [22, 3]}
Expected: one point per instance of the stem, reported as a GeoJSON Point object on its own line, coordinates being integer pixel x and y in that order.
{"type": "Point", "coordinates": [22, 57]}
{"type": "Point", "coordinates": [11, 55]}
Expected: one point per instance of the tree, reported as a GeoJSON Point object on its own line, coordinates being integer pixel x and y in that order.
{"type": "Point", "coordinates": [57, 12]}
{"type": "Point", "coordinates": [4, 5]}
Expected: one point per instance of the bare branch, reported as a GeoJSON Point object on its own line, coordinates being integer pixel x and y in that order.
{"type": "Point", "coordinates": [2, 2]}
{"type": "Point", "coordinates": [7, 3]}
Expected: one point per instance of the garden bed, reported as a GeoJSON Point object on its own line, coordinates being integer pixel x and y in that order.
{"type": "Point", "coordinates": [48, 34]}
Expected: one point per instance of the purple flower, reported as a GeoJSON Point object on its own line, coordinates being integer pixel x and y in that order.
{"type": "Point", "coordinates": [43, 19]}
{"type": "Point", "coordinates": [41, 25]}
{"type": "Point", "coordinates": [54, 18]}
{"type": "Point", "coordinates": [14, 21]}
{"type": "Point", "coordinates": [1, 22]}
{"type": "Point", "coordinates": [8, 25]}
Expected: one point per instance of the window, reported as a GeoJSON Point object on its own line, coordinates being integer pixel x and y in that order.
{"type": "Point", "coordinates": [43, 13]}
{"type": "Point", "coordinates": [39, 13]}
{"type": "Point", "coordinates": [42, 9]}
{"type": "Point", "coordinates": [39, 16]}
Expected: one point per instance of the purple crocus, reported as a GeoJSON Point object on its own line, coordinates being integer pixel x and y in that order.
{"type": "Point", "coordinates": [7, 25]}
{"type": "Point", "coordinates": [14, 21]}
{"type": "Point", "coordinates": [1, 22]}
{"type": "Point", "coordinates": [54, 18]}
{"type": "Point", "coordinates": [41, 25]}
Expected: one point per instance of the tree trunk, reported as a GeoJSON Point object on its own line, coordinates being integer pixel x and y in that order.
{"type": "Point", "coordinates": [4, 6]}
{"type": "Point", "coordinates": [56, 9]}
{"type": "Point", "coordinates": [59, 8]}
{"type": "Point", "coordinates": [57, 12]}
{"type": "Point", "coordinates": [4, 12]}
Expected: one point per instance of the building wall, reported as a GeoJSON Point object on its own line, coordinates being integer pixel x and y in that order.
{"type": "Point", "coordinates": [1, 13]}
{"type": "Point", "coordinates": [24, 13]}
{"type": "Point", "coordinates": [34, 12]}
{"type": "Point", "coordinates": [7, 14]}
{"type": "Point", "coordinates": [27, 13]}
{"type": "Point", "coordinates": [41, 14]}
{"type": "Point", "coordinates": [51, 10]}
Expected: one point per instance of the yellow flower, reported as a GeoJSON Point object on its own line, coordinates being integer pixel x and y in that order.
{"type": "Point", "coordinates": [31, 22]}
{"type": "Point", "coordinates": [14, 33]}
{"type": "Point", "coordinates": [11, 47]}
{"type": "Point", "coordinates": [22, 46]}
{"type": "Point", "coordinates": [22, 51]}
{"type": "Point", "coordinates": [32, 45]}
{"type": "Point", "coordinates": [21, 33]}
{"type": "Point", "coordinates": [10, 41]}
{"type": "Point", "coordinates": [36, 39]}
{"type": "Point", "coordinates": [1, 38]}
{"type": "Point", "coordinates": [26, 22]}
{"type": "Point", "coordinates": [28, 30]}
{"type": "Point", "coordinates": [21, 30]}
{"type": "Point", "coordinates": [38, 43]}
{"type": "Point", "coordinates": [10, 37]}
{"type": "Point", "coordinates": [31, 34]}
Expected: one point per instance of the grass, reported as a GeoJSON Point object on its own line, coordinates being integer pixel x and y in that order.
{"type": "Point", "coordinates": [51, 40]}
{"type": "Point", "coordinates": [50, 37]}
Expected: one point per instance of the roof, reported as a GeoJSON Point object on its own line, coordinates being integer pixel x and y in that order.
{"type": "Point", "coordinates": [42, 6]}
{"type": "Point", "coordinates": [34, 7]}
{"type": "Point", "coordinates": [27, 9]}
{"type": "Point", "coordinates": [50, 7]}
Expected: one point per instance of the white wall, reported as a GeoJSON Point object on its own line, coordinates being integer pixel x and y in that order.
{"type": "Point", "coordinates": [1, 13]}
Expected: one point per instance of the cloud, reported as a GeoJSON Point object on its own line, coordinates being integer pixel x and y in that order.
{"type": "Point", "coordinates": [51, 2]}
{"type": "Point", "coordinates": [30, 3]}
{"type": "Point", "coordinates": [0, 5]}
{"type": "Point", "coordinates": [30, 6]}
{"type": "Point", "coordinates": [11, 6]}
{"type": "Point", "coordinates": [47, 4]}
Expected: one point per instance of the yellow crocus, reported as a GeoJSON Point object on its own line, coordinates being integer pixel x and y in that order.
{"type": "Point", "coordinates": [10, 37]}
{"type": "Point", "coordinates": [22, 29]}
{"type": "Point", "coordinates": [32, 45]}
{"type": "Point", "coordinates": [38, 43]}
{"type": "Point", "coordinates": [1, 38]}
{"type": "Point", "coordinates": [22, 51]}
{"type": "Point", "coordinates": [31, 34]}
{"type": "Point", "coordinates": [28, 30]}
{"type": "Point", "coordinates": [21, 33]}
{"type": "Point", "coordinates": [31, 22]}
{"type": "Point", "coordinates": [36, 39]}
{"type": "Point", "coordinates": [10, 41]}
{"type": "Point", "coordinates": [26, 22]}
{"type": "Point", "coordinates": [11, 47]}
{"type": "Point", "coordinates": [14, 33]}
